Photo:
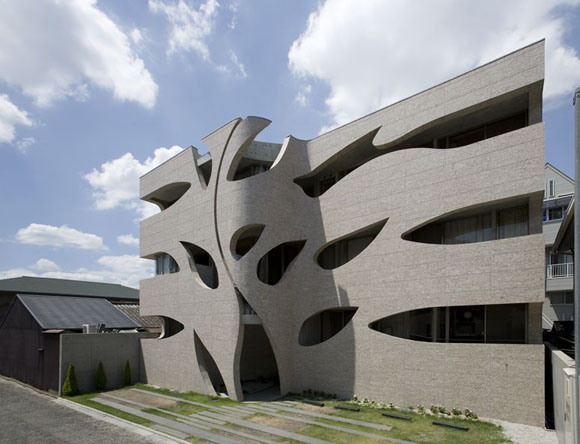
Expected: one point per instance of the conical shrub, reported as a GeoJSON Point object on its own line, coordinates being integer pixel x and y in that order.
{"type": "Point", "coordinates": [100, 377]}
{"type": "Point", "coordinates": [70, 386]}
{"type": "Point", "coordinates": [128, 378]}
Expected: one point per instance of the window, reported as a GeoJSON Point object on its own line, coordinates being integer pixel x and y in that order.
{"type": "Point", "coordinates": [324, 325]}
{"type": "Point", "coordinates": [468, 230]}
{"type": "Point", "coordinates": [551, 188]}
{"type": "Point", "coordinates": [165, 264]}
{"type": "Point", "coordinates": [492, 324]}
{"type": "Point", "coordinates": [562, 298]}
{"type": "Point", "coordinates": [512, 222]}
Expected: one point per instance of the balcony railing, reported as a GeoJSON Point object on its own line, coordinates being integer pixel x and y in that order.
{"type": "Point", "coordinates": [555, 271]}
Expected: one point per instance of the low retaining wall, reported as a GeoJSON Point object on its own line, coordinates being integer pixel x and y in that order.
{"type": "Point", "coordinates": [563, 393]}
{"type": "Point", "coordinates": [85, 351]}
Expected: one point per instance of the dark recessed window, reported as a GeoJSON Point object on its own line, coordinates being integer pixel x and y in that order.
{"type": "Point", "coordinates": [324, 325]}
{"type": "Point", "coordinates": [165, 264]}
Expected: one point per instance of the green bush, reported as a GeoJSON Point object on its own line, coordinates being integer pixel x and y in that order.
{"type": "Point", "coordinates": [128, 378]}
{"type": "Point", "coordinates": [100, 377]}
{"type": "Point", "coordinates": [70, 386]}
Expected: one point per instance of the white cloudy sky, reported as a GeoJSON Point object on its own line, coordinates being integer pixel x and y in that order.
{"type": "Point", "coordinates": [95, 94]}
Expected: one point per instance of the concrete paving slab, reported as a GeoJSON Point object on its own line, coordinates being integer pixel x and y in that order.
{"type": "Point", "coordinates": [357, 422]}
{"type": "Point", "coordinates": [191, 431]}
{"type": "Point", "coordinates": [169, 431]}
{"type": "Point", "coordinates": [207, 419]}
{"type": "Point", "coordinates": [272, 430]}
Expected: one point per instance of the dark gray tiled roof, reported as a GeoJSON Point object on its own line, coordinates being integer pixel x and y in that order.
{"type": "Point", "coordinates": [38, 285]}
{"type": "Point", "coordinates": [132, 311]}
{"type": "Point", "coordinates": [69, 312]}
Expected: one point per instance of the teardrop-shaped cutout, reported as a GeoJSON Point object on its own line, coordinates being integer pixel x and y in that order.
{"type": "Point", "coordinates": [490, 324]}
{"type": "Point", "coordinates": [245, 238]}
{"type": "Point", "coordinates": [169, 327]}
{"type": "Point", "coordinates": [274, 264]}
{"type": "Point", "coordinates": [324, 325]}
{"type": "Point", "coordinates": [202, 264]}
{"type": "Point", "coordinates": [208, 367]}
{"type": "Point", "coordinates": [484, 223]}
{"type": "Point", "coordinates": [167, 195]}
{"type": "Point", "coordinates": [344, 249]}
{"type": "Point", "coordinates": [203, 166]}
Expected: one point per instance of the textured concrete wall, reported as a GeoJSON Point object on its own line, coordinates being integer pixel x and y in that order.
{"type": "Point", "coordinates": [85, 351]}
{"type": "Point", "coordinates": [562, 367]}
{"type": "Point", "coordinates": [408, 188]}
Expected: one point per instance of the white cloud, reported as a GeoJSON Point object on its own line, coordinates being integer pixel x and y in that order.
{"type": "Point", "coordinates": [25, 143]}
{"type": "Point", "coordinates": [63, 236]}
{"type": "Point", "coordinates": [189, 27]}
{"type": "Point", "coordinates": [125, 270]}
{"type": "Point", "coordinates": [10, 117]}
{"type": "Point", "coordinates": [46, 265]}
{"type": "Point", "coordinates": [116, 183]}
{"type": "Point", "coordinates": [136, 36]}
{"type": "Point", "coordinates": [54, 49]}
{"type": "Point", "coordinates": [374, 53]}
{"type": "Point", "coordinates": [303, 95]}
{"type": "Point", "coordinates": [128, 239]}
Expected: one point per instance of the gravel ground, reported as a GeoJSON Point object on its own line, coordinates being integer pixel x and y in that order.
{"type": "Point", "coordinates": [30, 417]}
{"type": "Point", "coordinates": [525, 434]}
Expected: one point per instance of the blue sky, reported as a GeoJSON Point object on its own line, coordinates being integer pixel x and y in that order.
{"type": "Point", "coordinates": [102, 91]}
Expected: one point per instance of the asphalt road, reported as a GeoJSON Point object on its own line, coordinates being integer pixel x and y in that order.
{"type": "Point", "coordinates": [29, 417]}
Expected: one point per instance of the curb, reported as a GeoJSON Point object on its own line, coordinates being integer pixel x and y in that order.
{"type": "Point", "coordinates": [115, 420]}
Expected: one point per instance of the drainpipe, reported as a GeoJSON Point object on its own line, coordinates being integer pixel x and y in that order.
{"type": "Point", "coordinates": [576, 103]}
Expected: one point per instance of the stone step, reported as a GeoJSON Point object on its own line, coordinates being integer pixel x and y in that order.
{"type": "Point", "coordinates": [169, 431]}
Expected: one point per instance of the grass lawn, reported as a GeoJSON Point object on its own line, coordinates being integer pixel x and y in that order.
{"type": "Point", "coordinates": [420, 429]}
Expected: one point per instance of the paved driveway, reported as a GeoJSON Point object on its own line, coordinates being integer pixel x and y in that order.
{"type": "Point", "coordinates": [29, 417]}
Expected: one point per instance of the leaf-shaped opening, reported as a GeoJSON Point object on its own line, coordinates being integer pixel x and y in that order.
{"type": "Point", "coordinates": [324, 325]}
{"type": "Point", "coordinates": [165, 264]}
{"type": "Point", "coordinates": [208, 367]}
{"type": "Point", "coordinates": [203, 165]}
{"type": "Point", "coordinates": [167, 195]}
{"type": "Point", "coordinates": [202, 265]}
{"type": "Point", "coordinates": [245, 238]}
{"type": "Point", "coordinates": [484, 223]}
{"type": "Point", "coordinates": [169, 327]}
{"type": "Point", "coordinates": [508, 113]}
{"type": "Point", "coordinates": [257, 158]}
{"type": "Point", "coordinates": [274, 264]}
{"type": "Point", "coordinates": [344, 249]}
{"type": "Point", "coordinates": [490, 324]}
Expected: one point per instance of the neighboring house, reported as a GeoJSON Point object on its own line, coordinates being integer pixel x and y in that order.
{"type": "Point", "coordinates": [9, 288]}
{"type": "Point", "coordinates": [152, 324]}
{"type": "Point", "coordinates": [31, 338]}
{"type": "Point", "coordinates": [559, 302]}
{"type": "Point", "coordinates": [399, 257]}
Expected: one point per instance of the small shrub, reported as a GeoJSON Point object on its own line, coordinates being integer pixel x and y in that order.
{"type": "Point", "coordinates": [469, 414]}
{"type": "Point", "coordinates": [421, 408]}
{"type": "Point", "coordinates": [70, 386]}
{"type": "Point", "coordinates": [100, 377]}
{"type": "Point", "coordinates": [434, 409]}
{"type": "Point", "coordinates": [128, 378]}
{"type": "Point", "coordinates": [456, 412]}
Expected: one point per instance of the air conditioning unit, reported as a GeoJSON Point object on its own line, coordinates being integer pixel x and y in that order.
{"type": "Point", "coordinates": [89, 328]}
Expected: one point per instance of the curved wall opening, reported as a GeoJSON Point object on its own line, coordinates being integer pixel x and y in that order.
{"type": "Point", "coordinates": [475, 225]}
{"type": "Point", "coordinates": [274, 264]}
{"type": "Point", "coordinates": [169, 327]}
{"type": "Point", "coordinates": [165, 264]}
{"type": "Point", "coordinates": [203, 165]}
{"type": "Point", "coordinates": [490, 324]}
{"type": "Point", "coordinates": [244, 239]}
{"type": "Point", "coordinates": [202, 265]}
{"type": "Point", "coordinates": [503, 115]}
{"type": "Point", "coordinates": [208, 368]}
{"type": "Point", "coordinates": [166, 196]}
{"type": "Point", "coordinates": [253, 158]}
{"type": "Point", "coordinates": [344, 249]}
{"type": "Point", "coordinates": [324, 325]}
{"type": "Point", "coordinates": [258, 367]}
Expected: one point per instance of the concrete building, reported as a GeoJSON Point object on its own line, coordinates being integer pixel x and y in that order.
{"type": "Point", "coordinates": [399, 257]}
{"type": "Point", "coordinates": [559, 302]}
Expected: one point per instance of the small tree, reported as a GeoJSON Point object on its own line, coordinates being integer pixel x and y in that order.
{"type": "Point", "coordinates": [128, 373]}
{"type": "Point", "coordinates": [70, 386]}
{"type": "Point", "coordinates": [100, 377]}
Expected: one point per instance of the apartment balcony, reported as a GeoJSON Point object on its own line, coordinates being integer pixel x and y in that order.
{"type": "Point", "coordinates": [560, 277]}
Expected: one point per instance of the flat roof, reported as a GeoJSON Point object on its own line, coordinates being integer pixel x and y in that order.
{"type": "Point", "coordinates": [68, 287]}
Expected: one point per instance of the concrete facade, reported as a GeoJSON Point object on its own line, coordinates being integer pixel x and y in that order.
{"type": "Point", "coordinates": [401, 183]}
{"type": "Point", "coordinates": [558, 304]}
